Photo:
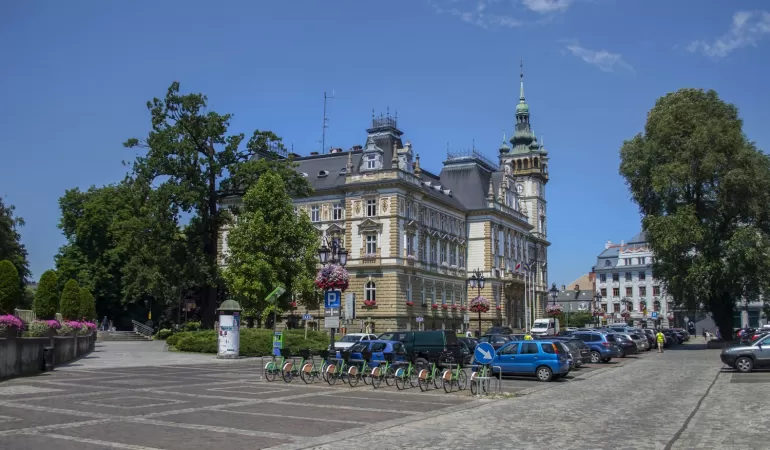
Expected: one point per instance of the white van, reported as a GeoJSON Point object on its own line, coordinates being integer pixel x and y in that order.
{"type": "Point", "coordinates": [545, 327]}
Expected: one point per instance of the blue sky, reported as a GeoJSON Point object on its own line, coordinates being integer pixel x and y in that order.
{"type": "Point", "coordinates": [76, 76]}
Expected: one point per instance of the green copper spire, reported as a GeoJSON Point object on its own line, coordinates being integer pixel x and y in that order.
{"type": "Point", "coordinates": [504, 147]}
{"type": "Point", "coordinates": [522, 108]}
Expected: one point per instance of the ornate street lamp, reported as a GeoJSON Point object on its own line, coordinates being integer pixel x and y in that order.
{"type": "Point", "coordinates": [477, 281]}
{"type": "Point", "coordinates": [332, 253]}
{"type": "Point", "coordinates": [597, 302]}
{"type": "Point", "coordinates": [554, 292]}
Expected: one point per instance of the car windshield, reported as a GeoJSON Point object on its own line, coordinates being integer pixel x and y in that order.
{"type": "Point", "coordinates": [401, 337]}
{"type": "Point", "coordinates": [358, 348]}
{"type": "Point", "coordinates": [350, 338]}
{"type": "Point", "coordinates": [539, 326]}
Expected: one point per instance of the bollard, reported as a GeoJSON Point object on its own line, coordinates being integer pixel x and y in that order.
{"type": "Point", "coordinates": [48, 356]}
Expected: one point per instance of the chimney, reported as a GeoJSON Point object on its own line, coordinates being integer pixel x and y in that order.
{"type": "Point", "coordinates": [622, 242]}
{"type": "Point", "coordinates": [313, 153]}
{"type": "Point", "coordinates": [607, 245]}
{"type": "Point", "coordinates": [337, 150]}
{"type": "Point", "coordinates": [357, 147]}
{"type": "Point", "coordinates": [563, 287]}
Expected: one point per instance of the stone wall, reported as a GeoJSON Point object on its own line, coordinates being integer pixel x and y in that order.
{"type": "Point", "coordinates": [24, 356]}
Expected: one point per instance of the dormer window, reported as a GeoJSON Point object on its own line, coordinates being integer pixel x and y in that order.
{"type": "Point", "coordinates": [371, 162]}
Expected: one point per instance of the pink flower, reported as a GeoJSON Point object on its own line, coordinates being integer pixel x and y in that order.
{"type": "Point", "coordinates": [10, 321]}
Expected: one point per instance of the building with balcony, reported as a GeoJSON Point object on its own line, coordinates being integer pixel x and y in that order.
{"type": "Point", "coordinates": [414, 235]}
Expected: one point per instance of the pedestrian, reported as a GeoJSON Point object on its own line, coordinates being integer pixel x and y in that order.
{"type": "Point", "coordinates": [468, 334]}
{"type": "Point", "coordinates": [705, 336]}
{"type": "Point", "coordinates": [660, 338]}
{"type": "Point", "coordinates": [719, 335]}
{"type": "Point", "coordinates": [527, 337]}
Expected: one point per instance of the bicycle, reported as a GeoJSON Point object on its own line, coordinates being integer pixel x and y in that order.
{"type": "Point", "coordinates": [454, 375]}
{"type": "Point", "coordinates": [357, 373]}
{"type": "Point", "coordinates": [335, 373]}
{"type": "Point", "coordinates": [429, 375]}
{"type": "Point", "coordinates": [384, 372]}
{"type": "Point", "coordinates": [272, 368]}
{"type": "Point", "coordinates": [482, 385]}
{"type": "Point", "coordinates": [289, 371]}
{"type": "Point", "coordinates": [407, 374]}
{"type": "Point", "coordinates": [309, 370]}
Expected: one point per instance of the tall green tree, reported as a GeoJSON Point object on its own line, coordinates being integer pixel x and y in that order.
{"type": "Point", "coordinates": [190, 155]}
{"type": "Point", "coordinates": [87, 305]}
{"type": "Point", "coordinates": [10, 289]}
{"type": "Point", "coordinates": [46, 303]}
{"type": "Point", "coordinates": [11, 247]}
{"type": "Point", "coordinates": [269, 245]}
{"type": "Point", "coordinates": [69, 304]}
{"type": "Point", "coordinates": [703, 190]}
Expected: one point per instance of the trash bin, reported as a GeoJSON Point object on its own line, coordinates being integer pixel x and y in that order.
{"type": "Point", "coordinates": [48, 353]}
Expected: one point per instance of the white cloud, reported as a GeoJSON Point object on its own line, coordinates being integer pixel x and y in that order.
{"type": "Point", "coordinates": [747, 29]}
{"type": "Point", "coordinates": [476, 13]}
{"type": "Point", "coordinates": [604, 60]}
{"type": "Point", "coordinates": [547, 6]}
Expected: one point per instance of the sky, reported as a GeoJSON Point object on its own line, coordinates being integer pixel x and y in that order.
{"type": "Point", "coordinates": [76, 76]}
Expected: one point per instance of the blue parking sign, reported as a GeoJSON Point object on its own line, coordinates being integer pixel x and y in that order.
{"type": "Point", "coordinates": [333, 300]}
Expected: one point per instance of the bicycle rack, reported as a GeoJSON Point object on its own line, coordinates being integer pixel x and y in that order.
{"type": "Point", "coordinates": [498, 389]}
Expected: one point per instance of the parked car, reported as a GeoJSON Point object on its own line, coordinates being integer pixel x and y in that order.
{"type": "Point", "coordinates": [544, 359]}
{"type": "Point", "coordinates": [378, 348]}
{"type": "Point", "coordinates": [500, 330]}
{"type": "Point", "coordinates": [348, 340]}
{"type": "Point", "coordinates": [427, 344]}
{"type": "Point", "coordinates": [497, 340]}
{"type": "Point", "coordinates": [683, 332]}
{"type": "Point", "coordinates": [650, 335]}
{"type": "Point", "coordinates": [749, 339]}
{"type": "Point", "coordinates": [468, 346]}
{"type": "Point", "coordinates": [583, 352]}
{"type": "Point", "coordinates": [624, 343]}
{"type": "Point", "coordinates": [602, 350]}
{"type": "Point", "coordinates": [745, 358]}
{"type": "Point", "coordinates": [575, 359]}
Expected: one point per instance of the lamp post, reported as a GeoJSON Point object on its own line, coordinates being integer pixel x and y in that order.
{"type": "Point", "coordinates": [597, 302]}
{"type": "Point", "coordinates": [477, 281]}
{"type": "Point", "coordinates": [332, 253]}
{"type": "Point", "coordinates": [554, 293]}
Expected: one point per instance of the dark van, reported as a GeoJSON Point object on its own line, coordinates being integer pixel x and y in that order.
{"type": "Point", "coordinates": [427, 344]}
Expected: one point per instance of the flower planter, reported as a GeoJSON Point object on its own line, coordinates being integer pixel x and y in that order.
{"type": "Point", "coordinates": [409, 303]}
{"type": "Point", "coordinates": [463, 308]}
{"type": "Point", "coordinates": [499, 308]}
{"type": "Point", "coordinates": [454, 307]}
{"type": "Point", "coordinates": [434, 306]}
{"type": "Point", "coordinates": [9, 333]}
{"type": "Point", "coordinates": [370, 304]}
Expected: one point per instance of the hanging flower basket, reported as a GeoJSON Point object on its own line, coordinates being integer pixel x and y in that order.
{"type": "Point", "coordinates": [370, 303]}
{"type": "Point", "coordinates": [434, 306]}
{"type": "Point", "coordinates": [409, 303]}
{"type": "Point", "coordinates": [554, 310]}
{"type": "Point", "coordinates": [499, 308]}
{"type": "Point", "coordinates": [479, 304]}
{"type": "Point", "coordinates": [332, 276]}
{"type": "Point", "coordinates": [444, 306]}
{"type": "Point", "coordinates": [599, 312]}
{"type": "Point", "coordinates": [625, 314]}
{"type": "Point", "coordinates": [454, 306]}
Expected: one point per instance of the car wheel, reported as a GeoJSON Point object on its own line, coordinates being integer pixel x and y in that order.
{"type": "Point", "coordinates": [622, 353]}
{"type": "Point", "coordinates": [595, 357]}
{"type": "Point", "coordinates": [744, 364]}
{"type": "Point", "coordinates": [544, 373]}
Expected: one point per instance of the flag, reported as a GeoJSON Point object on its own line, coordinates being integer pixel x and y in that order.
{"type": "Point", "coordinates": [518, 266]}
{"type": "Point", "coordinates": [527, 267]}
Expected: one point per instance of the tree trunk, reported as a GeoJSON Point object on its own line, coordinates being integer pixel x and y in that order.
{"type": "Point", "coordinates": [211, 224]}
{"type": "Point", "coordinates": [722, 309]}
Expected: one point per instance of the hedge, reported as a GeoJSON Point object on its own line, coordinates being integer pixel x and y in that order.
{"type": "Point", "coordinates": [46, 301]}
{"type": "Point", "coordinates": [69, 305]}
{"type": "Point", "coordinates": [10, 287]}
{"type": "Point", "coordinates": [254, 341]}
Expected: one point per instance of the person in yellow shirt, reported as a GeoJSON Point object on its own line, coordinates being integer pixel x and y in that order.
{"type": "Point", "coordinates": [527, 337]}
{"type": "Point", "coordinates": [660, 338]}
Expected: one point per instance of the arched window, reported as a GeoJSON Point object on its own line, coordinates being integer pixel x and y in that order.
{"type": "Point", "coordinates": [370, 292]}
{"type": "Point", "coordinates": [536, 163]}
{"type": "Point", "coordinates": [526, 164]}
{"type": "Point", "coordinates": [607, 263]}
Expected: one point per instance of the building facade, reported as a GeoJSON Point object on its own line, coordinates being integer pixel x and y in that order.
{"type": "Point", "coordinates": [625, 281]}
{"type": "Point", "coordinates": [414, 236]}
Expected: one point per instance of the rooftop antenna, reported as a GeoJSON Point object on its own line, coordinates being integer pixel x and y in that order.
{"type": "Point", "coordinates": [326, 122]}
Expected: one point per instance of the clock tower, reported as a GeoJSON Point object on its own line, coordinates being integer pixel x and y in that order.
{"type": "Point", "coordinates": [529, 162]}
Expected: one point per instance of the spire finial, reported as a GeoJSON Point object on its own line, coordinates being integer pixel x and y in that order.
{"type": "Point", "coordinates": [417, 169]}
{"type": "Point", "coordinates": [491, 192]}
{"type": "Point", "coordinates": [504, 137]}
{"type": "Point", "coordinates": [542, 143]}
{"type": "Point", "coordinates": [350, 161]}
{"type": "Point", "coordinates": [521, 81]}
{"type": "Point", "coordinates": [474, 144]}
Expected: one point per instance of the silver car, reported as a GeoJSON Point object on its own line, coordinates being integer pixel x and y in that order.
{"type": "Point", "coordinates": [638, 341]}
{"type": "Point", "coordinates": [642, 337]}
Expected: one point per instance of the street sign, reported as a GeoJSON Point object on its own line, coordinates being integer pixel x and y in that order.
{"type": "Point", "coordinates": [332, 322]}
{"type": "Point", "coordinates": [307, 317]}
{"type": "Point", "coordinates": [419, 319]}
{"type": "Point", "coordinates": [484, 353]}
{"type": "Point", "coordinates": [350, 306]}
{"type": "Point", "coordinates": [331, 312]}
{"type": "Point", "coordinates": [333, 299]}
{"type": "Point", "coordinates": [654, 315]}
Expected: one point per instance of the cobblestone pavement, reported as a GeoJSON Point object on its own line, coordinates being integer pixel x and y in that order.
{"type": "Point", "coordinates": [653, 401]}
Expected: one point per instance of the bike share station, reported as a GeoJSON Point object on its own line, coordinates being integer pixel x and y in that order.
{"type": "Point", "coordinates": [481, 380]}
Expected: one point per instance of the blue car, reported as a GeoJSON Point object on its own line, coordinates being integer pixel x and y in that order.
{"type": "Point", "coordinates": [545, 359]}
{"type": "Point", "coordinates": [378, 349]}
{"type": "Point", "coordinates": [602, 350]}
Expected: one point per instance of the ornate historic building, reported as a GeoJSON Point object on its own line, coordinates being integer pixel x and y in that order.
{"type": "Point", "coordinates": [414, 236]}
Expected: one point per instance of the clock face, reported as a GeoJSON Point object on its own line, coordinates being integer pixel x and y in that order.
{"type": "Point", "coordinates": [519, 188]}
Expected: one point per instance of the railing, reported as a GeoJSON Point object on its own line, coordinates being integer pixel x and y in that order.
{"type": "Point", "coordinates": [26, 315]}
{"type": "Point", "coordinates": [142, 329]}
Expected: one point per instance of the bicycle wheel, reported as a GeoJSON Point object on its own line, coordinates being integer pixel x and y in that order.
{"type": "Point", "coordinates": [365, 374]}
{"type": "Point", "coordinates": [390, 377]}
{"type": "Point", "coordinates": [462, 380]}
{"type": "Point", "coordinates": [448, 385]}
{"type": "Point", "coordinates": [474, 387]}
{"type": "Point", "coordinates": [287, 375]}
{"type": "Point", "coordinates": [400, 383]}
{"type": "Point", "coordinates": [353, 377]}
{"type": "Point", "coordinates": [331, 375]}
{"type": "Point", "coordinates": [324, 375]}
{"type": "Point", "coordinates": [414, 381]}
{"type": "Point", "coordinates": [270, 371]}
{"type": "Point", "coordinates": [438, 382]}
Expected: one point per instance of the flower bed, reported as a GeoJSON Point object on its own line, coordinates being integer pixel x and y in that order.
{"type": "Point", "coordinates": [43, 328]}
{"type": "Point", "coordinates": [332, 276]}
{"type": "Point", "coordinates": [10, 324]}
{"type": "Point", "coordinates": [479, 305]}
